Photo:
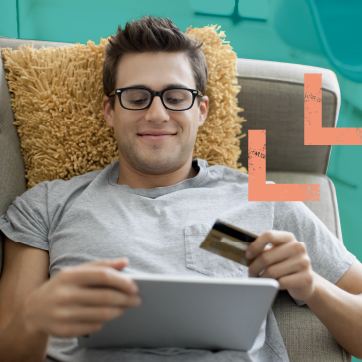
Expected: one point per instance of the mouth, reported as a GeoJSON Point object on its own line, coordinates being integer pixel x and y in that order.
{"type": "Point", "coordinates": [156, 137]}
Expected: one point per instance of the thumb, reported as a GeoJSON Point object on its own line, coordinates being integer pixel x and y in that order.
{"type": "Point", "coordinates": [114, 263]}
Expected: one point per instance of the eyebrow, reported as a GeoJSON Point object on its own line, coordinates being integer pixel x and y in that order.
{"type": "Point", "coordinates": [170, 85]}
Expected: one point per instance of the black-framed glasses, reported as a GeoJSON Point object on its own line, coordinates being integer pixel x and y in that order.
{"type": "Point", "coordinates": [138, 98]}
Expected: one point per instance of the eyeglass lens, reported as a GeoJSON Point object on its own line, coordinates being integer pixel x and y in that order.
{"type": "Point", "coordinates": [176, 99]}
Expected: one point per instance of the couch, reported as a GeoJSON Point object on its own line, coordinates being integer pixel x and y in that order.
{"type": "Point", "coordinates": [272, 96]}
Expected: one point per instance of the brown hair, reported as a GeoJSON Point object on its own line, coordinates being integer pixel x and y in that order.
{"type": "Point", "coordinates": [150, 34]}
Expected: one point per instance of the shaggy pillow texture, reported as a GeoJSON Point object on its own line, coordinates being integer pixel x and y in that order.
{"type": "Point", "coordinates": [57, 97]}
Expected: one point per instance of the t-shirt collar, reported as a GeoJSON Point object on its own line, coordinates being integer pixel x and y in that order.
{"type": "Point", "coordinates": [197, 163]}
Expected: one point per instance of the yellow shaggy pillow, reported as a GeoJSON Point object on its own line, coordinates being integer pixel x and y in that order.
{"type": "Point", "coordinates": [57, 102]}
{"type": "Point", "coordinates": [218, 140]}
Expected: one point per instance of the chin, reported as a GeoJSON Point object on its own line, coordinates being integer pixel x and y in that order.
{"type": "Point", "coordinates": [157, 166]}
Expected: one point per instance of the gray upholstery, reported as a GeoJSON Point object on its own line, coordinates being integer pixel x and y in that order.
{"type": "Point", "coordinates": [328, 200]}
{"type": "Point", "coordinates": [272, 96]}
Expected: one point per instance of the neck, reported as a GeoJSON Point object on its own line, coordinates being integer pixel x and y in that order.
{"type": "Point", "coordinates": [135, 179]}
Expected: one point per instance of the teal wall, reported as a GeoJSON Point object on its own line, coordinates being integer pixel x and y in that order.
{"type": "Point", "coordinates": [286, 33]}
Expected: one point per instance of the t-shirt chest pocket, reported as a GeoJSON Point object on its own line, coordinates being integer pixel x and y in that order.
{"type": "Point", "coordinates": [204, 261]}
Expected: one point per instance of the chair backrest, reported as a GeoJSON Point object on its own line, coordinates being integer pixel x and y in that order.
{"type": "Point", "coordinates": [272, 95]}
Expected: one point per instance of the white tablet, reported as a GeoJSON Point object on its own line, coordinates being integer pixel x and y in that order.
{"type": "Point", "coordinates": [190, 312]}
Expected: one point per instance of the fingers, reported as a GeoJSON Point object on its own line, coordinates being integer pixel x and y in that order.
{"type": "Point", "coordinates": [286, 267]}
{"type": "Point", "coordinates": [117, 264]}
{"type": "Point", "coordinates": [286, 261]}
{"type": "Point", "coordinates": [69, 330]}
{"type": "Point", "coordinates": [101, 297]}
{"type": "Point", "coordinates": [81, 311]}
{"type": "Point", "coordinates": [277, 255]}
{"type": "Point", "coordinates": [294, 282]}
{"type": "Point", "coordinates": [299, 285]}
{"type": "Point", "coordinates": [78, 300]}
{"type": "Point", "coordinates": [98, 276]}
{"type": "Point", "coordinates": [90, 314]}
{"type": "Point", "coordinates": [275, 237]}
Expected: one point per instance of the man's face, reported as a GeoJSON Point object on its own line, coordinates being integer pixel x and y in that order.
{"type": "Point", "coordinates": [155, 155]}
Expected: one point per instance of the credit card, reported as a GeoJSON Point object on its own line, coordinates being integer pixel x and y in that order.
{"type": "Point", "coordinates": [229, 241]}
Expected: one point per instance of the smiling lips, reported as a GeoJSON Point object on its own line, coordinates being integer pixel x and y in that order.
{"type": "Point", "coordinates": [156, 136]}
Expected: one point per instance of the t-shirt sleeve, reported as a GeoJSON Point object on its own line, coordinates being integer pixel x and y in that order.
{"type": "Point", "coordinates": [26, 220]}
{"type": "Point", "coordinates": [329, 257]}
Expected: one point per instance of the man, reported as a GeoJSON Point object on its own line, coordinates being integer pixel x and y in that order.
{"type": "Point", "coordinates": [155, 206]}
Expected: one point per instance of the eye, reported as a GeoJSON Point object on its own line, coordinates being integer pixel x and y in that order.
{"type": "Point", "coordinates": [176, 96]}
{"type": "Point", "coordinates": [174, 100]}
{"type": "Point", "coordinates": [138, 101]}
{"type": "Point", "coordinates": [136, 97]}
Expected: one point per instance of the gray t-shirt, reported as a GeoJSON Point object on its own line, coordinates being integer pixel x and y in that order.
{"type": "Point", "coordinates": [91, 217]}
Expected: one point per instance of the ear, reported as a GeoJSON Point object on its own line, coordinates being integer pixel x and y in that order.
{"type": "Point", "coordinates": [203, 109]}
{"type": "Point", "coordinates": [107, 111]}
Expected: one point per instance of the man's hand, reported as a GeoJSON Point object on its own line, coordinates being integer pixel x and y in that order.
{"type": "Point", "coordinates": [285, 260]}
{"type": "Point", "coordinates": [78, 300]}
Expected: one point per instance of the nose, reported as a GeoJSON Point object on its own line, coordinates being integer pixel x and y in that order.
{"type": "Point", "coordinates": [156, 112]}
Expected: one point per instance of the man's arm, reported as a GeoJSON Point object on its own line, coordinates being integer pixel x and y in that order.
{"type": "Point", "coordinates": [338, 306]}
{"type": "Point", "coordinates": [76, 301]}
{"type": "Point", "coordinates": [25, 268]}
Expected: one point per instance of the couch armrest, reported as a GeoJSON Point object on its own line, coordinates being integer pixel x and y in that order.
{"type": "Point", "coordinates": [305, 336]}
